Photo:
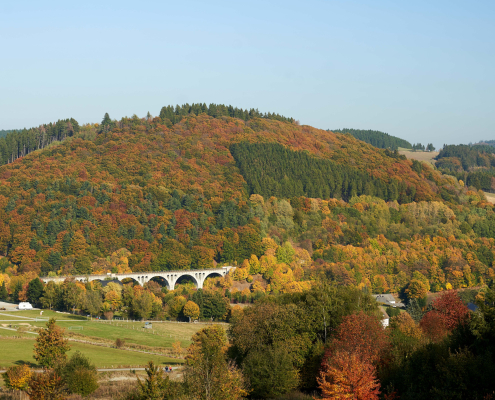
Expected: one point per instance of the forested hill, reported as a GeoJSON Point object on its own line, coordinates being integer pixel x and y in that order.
{"type": "Point", "coordinates": [174, 195]}
{"type": "Point", "coordinates": [485, 143]}
{"type": "Point", "coordinates": [378, 139]}
{"type": "Point", "coordinates": [474, 164]}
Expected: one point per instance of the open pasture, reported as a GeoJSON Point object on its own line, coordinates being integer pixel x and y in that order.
{"type": "Point", "coordinates": [20, 351]}
{"type": "Point", "coordinates": [33, 314]}
{"type": "Point", "coordinates": [425, 156]}
{"type": "Point", "coordinates": [163, 334]}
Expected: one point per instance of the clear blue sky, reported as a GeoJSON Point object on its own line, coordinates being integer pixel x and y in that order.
{"type": "Point", "coordinates": [421, 70]}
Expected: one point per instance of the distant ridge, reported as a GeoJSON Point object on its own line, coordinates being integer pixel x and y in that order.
{"type": "Point", "coordinates": [484, 143]}
{"type": "Point", "coordinates": [5, 132]}
{"type": "Point", "coordinates": [378, 139]}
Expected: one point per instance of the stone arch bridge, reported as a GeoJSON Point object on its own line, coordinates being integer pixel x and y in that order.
{"type": "Point", "coordinates": [170, 277]}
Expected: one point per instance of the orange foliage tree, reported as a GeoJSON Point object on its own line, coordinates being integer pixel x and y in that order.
{"type": "Point", "coordinates": [348, 376]}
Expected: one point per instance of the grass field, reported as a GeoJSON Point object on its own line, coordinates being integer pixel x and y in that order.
{"type": "Point", "coordinates": [426, 156]}
{"type": "Point", "coordinates": [36, 314]}
{"type": "Point", "coordinates": [20, 351]}
{"type": "Point", "coordinates": [163, 334]}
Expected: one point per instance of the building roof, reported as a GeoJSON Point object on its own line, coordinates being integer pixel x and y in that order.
{"type": "Point", "coordinates": [388, 300]}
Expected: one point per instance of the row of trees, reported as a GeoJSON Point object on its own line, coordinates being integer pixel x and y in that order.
{"type": "Point", "coordinates": [16, 144]}
{"type": "Point", "coordinates": [172, 115]}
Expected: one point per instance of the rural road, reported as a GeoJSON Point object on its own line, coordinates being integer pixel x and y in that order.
{"type": "Point", "coordinates": [101, 369]}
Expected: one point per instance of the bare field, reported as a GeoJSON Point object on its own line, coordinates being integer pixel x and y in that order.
{"type": "Point", "coordinates": [425, 156]}
{"type": "Point", "coordinates": [490, 197]}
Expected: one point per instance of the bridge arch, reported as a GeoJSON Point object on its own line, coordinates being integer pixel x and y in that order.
{"type": "Point", "coordinates": [161, 280]}
{"type": "Point", "coordinates": [187, 276]}
{"type": "Point", "coordinates": [214, 275]}
{"type": "Point", "coordinates": [128, 280]}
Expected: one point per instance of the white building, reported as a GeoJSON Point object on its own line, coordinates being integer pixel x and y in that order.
{"type": "Point", "coordinates": [25, 306]}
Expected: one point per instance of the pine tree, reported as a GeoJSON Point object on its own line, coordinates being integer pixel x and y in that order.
{"type": "Point", "coordinates": [3, 292]}
{"type": "Point", "coordinates": [35, 291]}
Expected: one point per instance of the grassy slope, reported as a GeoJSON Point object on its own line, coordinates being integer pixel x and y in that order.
{"type": "Point", "coordinates": [426, 156]}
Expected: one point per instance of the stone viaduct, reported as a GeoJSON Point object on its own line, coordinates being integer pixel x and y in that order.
{"type": "Point", "coordinates": [170, 277]}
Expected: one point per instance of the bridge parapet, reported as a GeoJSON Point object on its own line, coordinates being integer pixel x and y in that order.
{"type": "Point", "coordinates": [170, 277]}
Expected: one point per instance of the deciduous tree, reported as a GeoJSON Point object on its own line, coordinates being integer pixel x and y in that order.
{"type": "Point", "coordinates": [191, 310]}
{"type": "Point", "coordinates": [348, 376]}
{"type": "Point", "coordinates": [50, 346]}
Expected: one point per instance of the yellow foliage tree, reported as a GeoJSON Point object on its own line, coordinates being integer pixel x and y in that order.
{"type": "Point", "coordinates": [17, 377]}
{"type": "Point", "coordinates": [416, 289]}
{"type": "Point", "coordinates": [191, 310]}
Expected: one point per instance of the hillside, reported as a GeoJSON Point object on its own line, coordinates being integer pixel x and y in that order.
{"type": "Point", "coordinates": [474, 164]}
{"type": "Point", "coordinates": [146, 194]}
{"type": "Point", "coordinates": [378, 139]}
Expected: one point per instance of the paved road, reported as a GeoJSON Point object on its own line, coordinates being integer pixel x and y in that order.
{"type": "Point", "coordinates": [8, 306]}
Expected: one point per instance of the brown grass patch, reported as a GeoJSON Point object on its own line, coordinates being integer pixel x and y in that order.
{"type": "Point", "coordinates": [425, 156]}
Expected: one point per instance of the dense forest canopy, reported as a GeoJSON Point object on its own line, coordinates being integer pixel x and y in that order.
{"type": "Point", "coordinates": [474, 164]}
{"type": "Point", "coordinates": [271, 169]}
{"type": "Point", "coordinates": [378, 139]}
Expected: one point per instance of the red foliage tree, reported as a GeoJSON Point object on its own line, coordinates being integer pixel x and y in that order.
{"type": "Point", "coordinates": [363, 335]}
{"type": "Point", "coordinates": [433, 326]}
{"type": "Point", "coordinates": [451, 309]}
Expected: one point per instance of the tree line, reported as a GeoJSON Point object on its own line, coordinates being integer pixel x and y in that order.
{"type": "Point", "coordinates": [378, 139]}
{"type": "Point", "coordinates": [18, 143]}
{"type": "Point", "coordinates": [170, 115]}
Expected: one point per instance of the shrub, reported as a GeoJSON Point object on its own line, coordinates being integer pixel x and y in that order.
{"type": "Point", "coordinates": [119, 343]}
{"type": "Point", "coordinates": [79, 375]}
{"type": "Point", "coordinates": [46, 385]}
{"type": "Point", "coordinates": [17, 377]}
{"type": "Point", "coordinates": [108, 315]}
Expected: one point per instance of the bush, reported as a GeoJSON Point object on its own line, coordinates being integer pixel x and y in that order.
{"type": "Point", "coordinates": [119, 343]}
{"type": "Point", "coordinates": [392, 312]}
{"type": "Point", "coordinates": [79, 375]}
{"type": "Point", "coordinates": [108, 315]}
{"type": "Point", "coordinates": [46, 385]}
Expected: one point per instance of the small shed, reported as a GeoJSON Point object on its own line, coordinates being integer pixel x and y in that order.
{"type": "Point", "coordinates": [25, 306]}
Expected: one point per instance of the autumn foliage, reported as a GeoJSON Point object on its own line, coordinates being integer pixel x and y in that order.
{"type": "Point", "coordinates": [50, 346]}
{"type": "Point", "coordinates": [349, 366]}
{"type": "Point", "coordinates": [451, 309]}
{"type": "Point", "coordinates": [17, 377]}
{"type": "Point", "coordinates": [348, 376]}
